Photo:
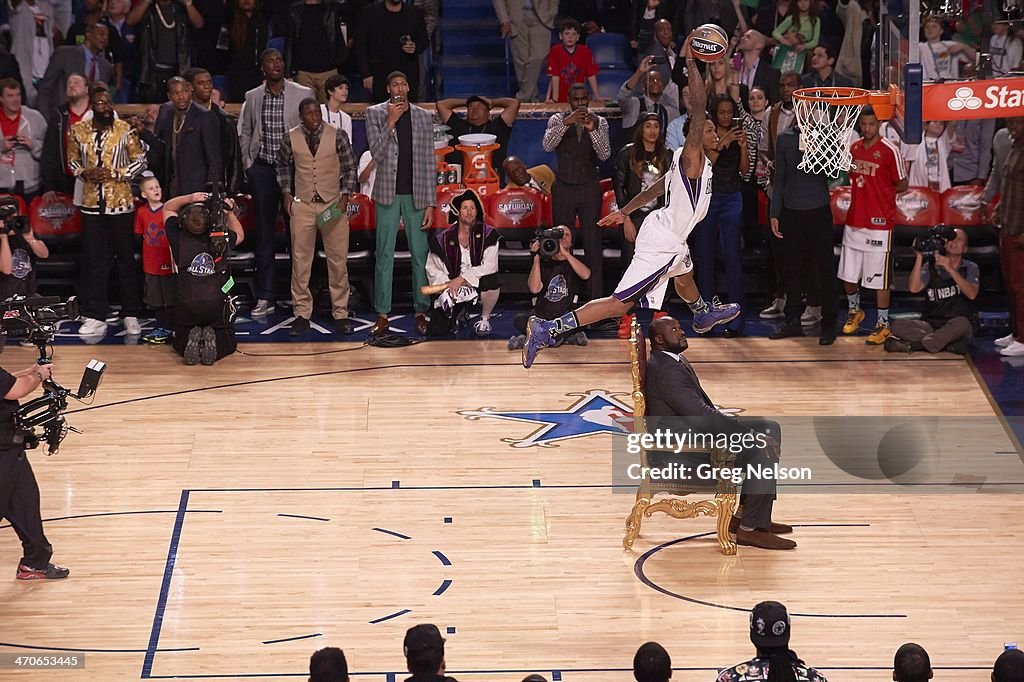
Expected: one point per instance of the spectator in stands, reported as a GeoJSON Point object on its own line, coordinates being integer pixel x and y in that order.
{"type": "Point", "coordinates": [157, 264]}
{"type": "Point", "coordinates": [941, 59]}
{"type": "Point", "coordinates": [392, 35]}
{"type": "Point", "coordinates": [106, 154]}
{"type": "Point", "coordinates": [855, 54]}
{"type": "Point", "coordinates": [569, 63]}
{"type": "Point", "coordinates": [9, 67]}
{"type": "Point", "coordinates": [579, 137]}
{"type": "Point", "coordinates": [209, 39]}
{"type": "Point", "coordinates": [770, 629]}
{"type": "Point", "coordinates": [822, 73]}
{"type": "Point", "coordinates": [561, 279]}
{"type": "Point", "coordinates": [32, 36]}
{"type": "Point", "coordinates": [316, 170]}
{"type": "Point", "coordinates": [540, 178]}
{"type": "Point", "coordinates": [758, 102]}
{"type": "Point", "coordinates": [1009, 216]}
{"type": "Point", "coordinates": [337, 94]}
{"type": "Point", "coordinates": [18, 254]}
{"type": "Point", "coordinates": [113, 50]}
{"type": "Point", "coordinates": [204, 329]}
{"type": "Point", "coordinates": [529, 27]}
{"type": "Point", "coordinates": [645, 92]}
{"type": "Point", "coordinates": [796, 35]}
{"type": "Point", "coordinates": [801, 220]}
{"type": "Point", "coordinates": [86, 58]}
{"type": "Point", "coordinates": [771, 13]}
{"type": "Point", "coordinates": [1005, 47]}
{"type": "Point", "coordinates": [187, 139]}
{"type": "Point", "coordinates": [663, 51]}
{"type": "Point", "coordinates": [424, 654]}
{"type": "Point", "coordinates": [722, 226]}
{"type": "Point", "coordinates": [479, 120]}
{"type": "Point", "coordinates": [755, 71]}
{"type": "Point", "coordinates": [269, 112]}
{"type": "Point", "coordinates": [328, 665]}
{"type": "Point", "coordinates": [367, 173]}
{"type": "Point", "coordinates": [728, 15]}
{"type": "Point", "coordinates": [951, 283]}
{"type": "Point", "coordinates": [463, 257]}
{"type": "Point", "coordinates": [165, 44]}
{"type": "Point", "coordinates": [21, 146]}
{"type": "Point", "coordinates": [56, 173]}
{"type": "Point", "coordinates": [638, 166]}
{"type": "Point", "coordinates": [928, 162]}
{"type": "Point", "coordinates": [247, 38]}
{"type": "Point", "coordinates": [1009, 667]}
{"type": "Point", "coordinates": [230, 152]}
{"type": "Point", "coordinates": [128, 50]}
{"type": "Point", "coordinates": [972, 151]}
{"type": "Point", "coordinates": [651, 663]}
{"type": "Point", "coordinates": [722, 80]}
{"type": "Point", "coordinates": [646, 15]}
{"type": "Point", "coordinates": [674, 137]}
{"type": "Point", "coordinates": [314, 48]}
{"type": "Point", "coordinates": [401, 139]}
{"type": "Point", "coordinates": [911, 664]}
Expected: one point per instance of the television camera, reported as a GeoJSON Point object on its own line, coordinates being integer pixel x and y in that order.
{"type": "Point", "coordinates": [934, 241]}
{"type": "Point", "coordinates": [35, 320]}
{"type": "Point", "coordinates": [549, 242]}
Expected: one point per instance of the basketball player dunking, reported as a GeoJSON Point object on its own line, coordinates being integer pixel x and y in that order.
{"type": "Point", "coordinates": [661, 250]}
{"type": "Point", "coordinates": [877, 175]}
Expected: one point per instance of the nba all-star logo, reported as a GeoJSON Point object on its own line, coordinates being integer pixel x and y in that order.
{"type": "Point", "coordinates": [595, 412]}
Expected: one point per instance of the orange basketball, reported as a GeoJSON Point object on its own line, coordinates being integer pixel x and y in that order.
{"type": "Point", "coordinates": [708, 43]}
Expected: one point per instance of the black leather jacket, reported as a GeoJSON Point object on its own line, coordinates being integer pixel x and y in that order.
{"type": "Point", "coordinates": [332, 27]}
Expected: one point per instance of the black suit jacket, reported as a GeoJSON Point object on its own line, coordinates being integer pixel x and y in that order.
{"type": "Point", "coordinates": [64, 62]}
{"type": "Point", "coordinates": [767, 77]}
{"type": "Point", "coordinates": [673, 390]}
{"type": "Point", "coordinates": [199, 156]}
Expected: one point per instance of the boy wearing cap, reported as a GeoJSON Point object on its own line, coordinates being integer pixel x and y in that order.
{"type": "Point", "coordinates": [478, 120]}
{"type": "Point", "coordinates": [464, 258]}
{"type": "Point", "coordinates": [775, 661]}
{"type": "Point", "coordinates": [424, 654]}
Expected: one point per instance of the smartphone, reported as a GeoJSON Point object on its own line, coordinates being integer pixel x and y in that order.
{"type": "Point", "coordinates": [659, 60]}
{"type": "Point", "coordinates": [398, 99]}
{"type": "Point", "coordinates": [737, 61]}
{"type": "Point", "coordinates": [737, 122]}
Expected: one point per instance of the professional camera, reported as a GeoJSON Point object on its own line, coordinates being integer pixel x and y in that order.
{"type": "Point", "coordinates": [549, 242]}
{"type": "Point", "coordinates": [35, 320]}
{"type": "Point", "coordinates": [10, 221]}
{"type": "Point", "coordinates": [934, 240]}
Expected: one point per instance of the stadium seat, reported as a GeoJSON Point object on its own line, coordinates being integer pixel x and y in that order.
{"type": "Point", "coordinates": [611, 50]}
{"type": "Point", "coordinates": [277, 44]}
{"type": "Point", "coordinates": [610, 80]}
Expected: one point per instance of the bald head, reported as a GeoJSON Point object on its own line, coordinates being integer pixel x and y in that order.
{"type": "Point", "coordinates": [752, 41]}
{"type": "Point", "coordinates": [666, 334]}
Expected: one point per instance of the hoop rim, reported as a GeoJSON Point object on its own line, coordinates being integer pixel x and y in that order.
{"type": "Point", "coordinates": [835, 95]}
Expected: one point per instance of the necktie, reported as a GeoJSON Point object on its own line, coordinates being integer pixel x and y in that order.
{"type": "Point", "coordinates": [92, 69]}
{"type": "Point", "coordinates": [686, 366]}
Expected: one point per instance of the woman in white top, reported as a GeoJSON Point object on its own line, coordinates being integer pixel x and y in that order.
{"type": "Point", "coordinates": [337, 94]}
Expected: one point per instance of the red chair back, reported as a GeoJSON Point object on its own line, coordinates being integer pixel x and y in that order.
{"type": "Point", "coordinates": [840, 203]}
{"type": "Point", "coordinates": [444, 199]}
{"type": "Point", "coordinates": [919, 207]}
{"type": "Point", "coordinates": [362, 213]}
{"type": "Point", "coordinates": [608, 203]}
{"type": "Point", "coordinates": [606, 184]}
{"type": "Point", "coordinates": [56, 217]}
{"type": "Point", "coordinates": [518, 208]}
{"type": "Point", "coordinates": [963, 205]}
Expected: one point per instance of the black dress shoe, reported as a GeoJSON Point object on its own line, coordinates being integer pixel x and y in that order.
{"type": "Point", "coordinates": [733, 333]}
{"type": "Point", "coordinates": [344, 326]}
{"type": "Point", "coordinates": [299, 327]}
{"type": "Point", "coordinates": [828, 333]}
{"type": "Point", "coordinates": [790, 329]}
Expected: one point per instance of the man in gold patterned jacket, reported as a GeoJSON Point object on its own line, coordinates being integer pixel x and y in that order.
{"type": "Point", "coordinates": [106, 154]}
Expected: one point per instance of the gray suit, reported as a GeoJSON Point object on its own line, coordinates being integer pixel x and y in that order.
{"type": "Point", "coordinates": [531, 39]}
{"type": "Point", "coordinates": [250, 131]}
{"type": "Point", "coordinates": [64, 62]}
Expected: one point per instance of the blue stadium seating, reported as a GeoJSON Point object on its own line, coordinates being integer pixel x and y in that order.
{"type": "Point", "coordinates": [611, 50]}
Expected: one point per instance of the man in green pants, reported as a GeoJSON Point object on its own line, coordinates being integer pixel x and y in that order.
{"type": "Point", "coordinates": [401, 138]}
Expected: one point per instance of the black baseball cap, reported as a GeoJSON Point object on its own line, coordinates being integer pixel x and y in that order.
{"type": "Point", "coordinates": [422, 638]}
{"type": "Point", "coordinates": [769, 625]}
{"type": "Point", "coordinates": [476, 98]}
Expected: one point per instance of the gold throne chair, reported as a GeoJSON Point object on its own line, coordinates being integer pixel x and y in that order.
{"type": "Point", "coordinates": [719, 496]}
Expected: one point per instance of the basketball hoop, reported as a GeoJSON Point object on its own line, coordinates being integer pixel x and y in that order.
{"type": "Point", "coordinates": [826, 117]}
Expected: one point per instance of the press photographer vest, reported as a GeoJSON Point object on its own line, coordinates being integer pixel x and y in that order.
{"type": "Point", "coordinates": [943, 298]}
{"type": "Point", "coordinates": [316, 175]}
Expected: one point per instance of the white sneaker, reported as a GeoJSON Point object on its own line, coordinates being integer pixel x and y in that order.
{"type": "Point", "coordinates": [92, 327]}
{"type": "Point", "coordinates": [1014, 350]}
{"type": "Point", "coordinates": [1004, 341]}
{"type": "Point", "coordinates": [811, 315]}
{"type": "Point", "coordinates": [132, 326]}
{"type": "Point", "coordinates": [482, 327]}
{"type": "Point", "coordinates": [775, 311]}
{"type": "Point", "coordinates": [262, 308]}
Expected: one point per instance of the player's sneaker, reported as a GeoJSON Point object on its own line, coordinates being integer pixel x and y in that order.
{"type": "Point", "coordinates": [158, 336]}
{"type": "Point", "coordinates": [877, 337]}
{"type": "Point", "coordinates": [1004, 341]}
{"type": "Point", "coordinates": [660, 314]}
{"type": "Point", "coordinates": [51, 572]}
{"type": "Point", "coordinates": [716, 314]}
{"type": "Point", "coordinates": [625, 322]}
{"type": "Point", "coordinates": [538, 335]}
{"type": "Point", "coordinates": [853, 321]}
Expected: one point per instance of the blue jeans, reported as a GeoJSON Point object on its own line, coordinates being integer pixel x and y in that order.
{"type": "Point", "coordinates": [266, 198]}
{"type": "Point", "coordinates": [721, 229]}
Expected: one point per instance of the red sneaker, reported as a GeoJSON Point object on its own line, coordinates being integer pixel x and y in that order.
{"type": "Point", "coordinates": [51, 572]}
{"type": "Point", "coordinates": [624, 324]}
{"type": "Point", "coordinates": [660, 314]}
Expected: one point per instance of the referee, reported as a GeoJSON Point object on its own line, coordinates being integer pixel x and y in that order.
{"type": "Point", "coordinates": [19, 492]}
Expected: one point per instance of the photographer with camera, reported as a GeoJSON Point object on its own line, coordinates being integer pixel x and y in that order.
{"type": "Point", "coordinates": [559, 275]}
{"type": "Point", "coordinates": [19, 491]}
{"type": "Point", "coordinates": [951, 284]}
{"type": "Point", "coordinates": [200, 241]}
{"type": "Point", "coordinates": [19, 250]}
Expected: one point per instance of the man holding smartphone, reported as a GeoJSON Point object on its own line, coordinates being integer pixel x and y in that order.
{"type": "Point", "coordinates": [645, 91]}
{"type": "Point", "coordinates": [21, 146]}
{"type": "Point", "coordinates": [401, 139]}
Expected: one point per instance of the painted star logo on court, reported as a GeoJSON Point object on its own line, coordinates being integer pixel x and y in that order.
{"type": "Point", "coordinates": [964, 98]}
{"type": "Point", "coordinates": [595, 412]}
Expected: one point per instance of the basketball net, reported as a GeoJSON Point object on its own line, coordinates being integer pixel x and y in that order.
{"type": "Point", "coordinates": [826, 117]}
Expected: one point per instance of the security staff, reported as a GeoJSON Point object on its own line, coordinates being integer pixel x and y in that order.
{"type": "Point", "coordinates": [19, 492]}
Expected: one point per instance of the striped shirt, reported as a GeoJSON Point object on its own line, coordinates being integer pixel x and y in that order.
{"type": "Point", "coordinates": [272, 126]}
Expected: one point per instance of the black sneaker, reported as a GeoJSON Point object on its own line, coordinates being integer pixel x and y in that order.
{"type": "Point", "coordinates": [895, 344]}
{"type": "Point", "coordinates": [345, 326]}
{"type": "Point", "coordinates": [194, 346]}
{"type": "Point", "coordinates": [789, 330]}
{"type": "Point", "coordinates": [208, 353]}
{"type": "Point", "coordinates": [51, 572]}
{"type": "Point", "coordinates": [299, 327]}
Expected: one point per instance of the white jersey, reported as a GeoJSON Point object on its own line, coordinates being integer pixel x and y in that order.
{"type": "Point", "coordinates": [686, 201]}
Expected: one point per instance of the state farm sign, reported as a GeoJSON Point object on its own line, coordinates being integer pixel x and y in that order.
{"type": "Point", "coordinates": [973, 99]}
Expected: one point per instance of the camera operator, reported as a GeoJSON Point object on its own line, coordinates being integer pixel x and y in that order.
{"type": "Point", "coordinates": [19, 492]}
{"type": "Point", "coordinates": [19, 250]}
{"type": "Point", "coordinates": [951, 284]}
{"type": "Point", "coordinates": [203, 317]}
{"type": "Point", "coordinates": [561, 278]}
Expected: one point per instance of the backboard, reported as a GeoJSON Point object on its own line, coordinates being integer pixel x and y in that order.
{"type": "Point", "coordinates": [896, 62]}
